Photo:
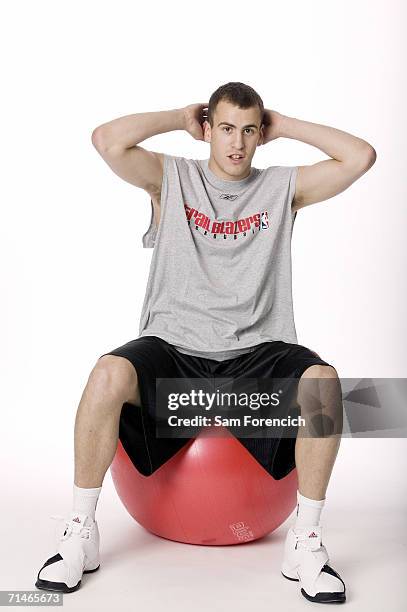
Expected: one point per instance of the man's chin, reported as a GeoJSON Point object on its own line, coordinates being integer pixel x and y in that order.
{"type": "Point", "coordinates": [236, 170]}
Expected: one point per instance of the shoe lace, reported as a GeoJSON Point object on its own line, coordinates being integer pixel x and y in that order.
{"type": "Point", "coordinates": [84, 533]}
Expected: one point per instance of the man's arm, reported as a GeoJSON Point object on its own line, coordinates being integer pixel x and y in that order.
{"type": "Point", "coordinates": [350, 156]}
{"type": "Point", "coordinates": [117, 142]}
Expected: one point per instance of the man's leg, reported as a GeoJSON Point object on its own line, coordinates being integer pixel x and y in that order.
{"type": "Point", "coordinates": [315, 456]}
{"type": "Point", "coordinates": [305, 557]}
{"type": "Point", "coordinates": [112, 382]}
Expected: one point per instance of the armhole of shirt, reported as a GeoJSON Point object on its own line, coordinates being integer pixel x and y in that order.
{"type": "Point", "coordinates": [148, 239]}
{"type": "Point", "coordinates": [291, 191]}
{"type": "Point", "coordinates": [288, 175]}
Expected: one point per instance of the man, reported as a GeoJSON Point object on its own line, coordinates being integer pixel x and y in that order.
{"type": "Point", "coordinates": [218, 301]}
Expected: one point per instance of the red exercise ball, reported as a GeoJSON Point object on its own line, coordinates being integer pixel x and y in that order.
{"type": "Point", "coordinates": [211, 492]}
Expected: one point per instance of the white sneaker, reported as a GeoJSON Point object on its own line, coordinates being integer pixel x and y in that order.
{"type": "Point", "coordinates": [306, 561]}
{"type": "Point", "coordinates": [77, 553]}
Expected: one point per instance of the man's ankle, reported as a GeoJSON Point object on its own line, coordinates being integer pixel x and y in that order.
{"type": "Point", "coordinates": [85, 500]}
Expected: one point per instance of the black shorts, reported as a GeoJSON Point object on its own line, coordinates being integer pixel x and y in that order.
{"type": "Point", "coordinates": [153, 357]}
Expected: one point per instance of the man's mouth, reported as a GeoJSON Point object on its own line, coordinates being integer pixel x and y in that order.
{"type": "Point", "coordinates": [236, 158]}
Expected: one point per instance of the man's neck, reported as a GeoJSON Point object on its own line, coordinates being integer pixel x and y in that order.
{"type": "Point", "coordinates": [212, 165]}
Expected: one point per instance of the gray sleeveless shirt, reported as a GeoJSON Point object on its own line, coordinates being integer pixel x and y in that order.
{"type": "Point", "coordinates": [220, 275]}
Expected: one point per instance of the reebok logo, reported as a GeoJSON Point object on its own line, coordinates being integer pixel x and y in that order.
{"type": "Point", "coordinates": [228, 196]}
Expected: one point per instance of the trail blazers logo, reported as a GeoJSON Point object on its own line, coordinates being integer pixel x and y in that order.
{"type": "Point", "coordinates": [227, 229]}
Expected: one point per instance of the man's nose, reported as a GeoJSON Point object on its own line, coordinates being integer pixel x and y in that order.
{"type": "Point", "coordinates": [238, 142]}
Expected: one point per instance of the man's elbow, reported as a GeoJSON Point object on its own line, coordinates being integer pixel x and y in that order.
{"type": "Point", "coordinates": [368, 158]}
{"type": "Point", "coordinates": [98, 139]}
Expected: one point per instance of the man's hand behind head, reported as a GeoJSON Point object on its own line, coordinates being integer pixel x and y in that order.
{"type": "Point", "coordinates": [194, 116]}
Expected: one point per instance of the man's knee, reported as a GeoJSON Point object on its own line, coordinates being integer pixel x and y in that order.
{"type": "Point", "coordinates": [319, 380]}
{"type": "Point", "coordinates": [320, 398]}
{"type": "Point", "coordinates": [320, 371]}
{"type": "Point", "coordinates": [115, 375]}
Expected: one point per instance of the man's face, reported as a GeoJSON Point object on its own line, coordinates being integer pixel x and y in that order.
{"type": "Point", "coordinates": [235, 130]}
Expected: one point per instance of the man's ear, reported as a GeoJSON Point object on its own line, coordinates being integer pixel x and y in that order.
{"type": "Point", "coordinates": [206, 131]}
{"type": "Point", "coordinates": [261, 136]}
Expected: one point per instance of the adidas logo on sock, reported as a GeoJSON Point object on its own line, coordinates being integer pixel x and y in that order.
{"type": "Point", "coordinates": [77, 519]}
{"type": "Point", "coordinates": [312, 535]}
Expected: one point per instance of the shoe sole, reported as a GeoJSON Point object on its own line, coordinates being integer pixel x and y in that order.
{"type": "Point", "coordinates": [320, 597]}
{"type": "Point", "coordinates": [61, 587]}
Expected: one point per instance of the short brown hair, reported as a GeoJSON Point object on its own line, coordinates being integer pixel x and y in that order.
{"type": "Point", "coordinates": [236, 93]}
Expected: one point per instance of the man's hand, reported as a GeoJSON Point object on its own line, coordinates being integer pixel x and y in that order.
{"type": "Point", "coordinates": [272, 125]}
{"type": "Point", "coordinates": [194, 117]}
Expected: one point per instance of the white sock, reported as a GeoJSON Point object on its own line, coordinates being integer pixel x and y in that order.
{"type": "Point", "coordinates": [308, 511]}
{"type": "Point", "coordinates": [85, 500]}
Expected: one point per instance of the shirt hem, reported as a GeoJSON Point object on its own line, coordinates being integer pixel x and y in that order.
{"type": "Point", "coordinates": [216, 355]}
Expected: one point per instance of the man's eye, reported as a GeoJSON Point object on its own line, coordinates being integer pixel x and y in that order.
{"type": "Point", "coordinates": [246, 129]}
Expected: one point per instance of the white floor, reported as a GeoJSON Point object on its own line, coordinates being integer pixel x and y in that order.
{"type": "Point", "coordinates": [364, 530]}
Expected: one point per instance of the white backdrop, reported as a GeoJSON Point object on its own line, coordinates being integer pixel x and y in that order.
{"type": "Point", "coordinates": [73, 267]}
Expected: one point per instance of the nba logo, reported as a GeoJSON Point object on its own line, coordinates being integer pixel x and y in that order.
{"type": "Point", "coordinates": [264, 224]}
